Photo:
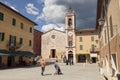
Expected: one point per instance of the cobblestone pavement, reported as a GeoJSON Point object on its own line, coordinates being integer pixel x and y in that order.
{"type": "Point", "coordinates": [80, 71]}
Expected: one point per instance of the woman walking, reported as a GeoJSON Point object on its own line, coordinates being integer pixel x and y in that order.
{"type": "Point", "coordinates": [42, 64]}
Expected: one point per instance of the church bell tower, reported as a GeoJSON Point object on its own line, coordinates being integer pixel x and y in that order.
{"type": "Point", "coordinates": [70, 35]}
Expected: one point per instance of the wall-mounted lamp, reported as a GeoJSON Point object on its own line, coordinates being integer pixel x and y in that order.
{"type": "Point", "coordinates": [101, 21]}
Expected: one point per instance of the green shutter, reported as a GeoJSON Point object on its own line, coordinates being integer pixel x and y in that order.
{"type": "Point", "coordinates": [10, 39]}
{"type": "Point", "coordinates": [13, 21]}
{"type": "Point", "coordinates": [30, 29]}
{"type": "Point", "coordinates": [81, 47]}
{"type": "Point", "coordinates": [92, 46]}
{"type": "Point", "coordinates": [92, 38]}
{"type": "Point", "coordinates": [15, 40]}
{"type": "Point", "coordinates": [22, 25]}
{"type": "Point", "coordinates": [3, 34]}
{"type": "Point", "coordinates": [80, 39]}
{"type": "Point", "coordinates": [21, 40]}
{"type": "Point", "coordinates": [30, 42]}
{"type": "Point", "coordinates": [1, 16]}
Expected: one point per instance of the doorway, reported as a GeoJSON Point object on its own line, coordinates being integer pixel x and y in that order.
{"type": "Point", "coordinates": [70, 56]}
{"type": "Point", "coordinates": [81, 58]}
{"type": "Point", "coordinates": [94, 59]}
{"type": "Point", "coordinates": [10, 60]}
{"type": "Point", "coordinates": [53, 53]}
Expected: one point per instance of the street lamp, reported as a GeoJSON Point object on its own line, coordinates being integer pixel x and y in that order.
{"type": "Point", "coordinates": [101, 21]}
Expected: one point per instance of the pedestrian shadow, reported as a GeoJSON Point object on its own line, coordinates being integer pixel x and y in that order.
{"type": "Point", "coordinates": [59, 74]}
{"type": "Point", "coordinates": [47, 74]}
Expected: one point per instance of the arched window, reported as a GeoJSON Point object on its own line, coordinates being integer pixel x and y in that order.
{"type": "Point", "coordinates": [70, 43]}
{"type": "Point", "coordinates": [69, 22]}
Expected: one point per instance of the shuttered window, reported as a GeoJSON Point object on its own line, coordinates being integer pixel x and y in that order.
{"type": "Point", "coordinates": [21, 25]}
{"type": "Point", "coordinates": [13, 21]}
{"type": "Point", "coordinates": [1, 16]}
{"type": "Point", "coordinates": [81, 39]}
{"type": "Point", "coordinates": [30, 43]}
{"type": "Point", "coordinates": [2, 35]}
{"type": "Point", "coordinates": [21, 40]}
{"type": "Point", "coordinates": [92, 38]}
{"type": "Point", "coordinates": [81, 47]}
{"type": "Point", "coordinates": [12, 40]}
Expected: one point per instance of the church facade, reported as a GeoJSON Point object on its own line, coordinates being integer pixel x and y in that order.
{"type": "Point", "coordinates": [57, 44]}
{"type": "Point", "coordinates": [53, 44]}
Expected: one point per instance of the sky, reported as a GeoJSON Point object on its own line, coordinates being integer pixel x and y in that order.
{"type": "Point", "coordinates": [49, 14]}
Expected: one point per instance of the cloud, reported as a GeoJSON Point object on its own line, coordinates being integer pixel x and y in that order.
{"type": "Point", "coordinates": [54, 12]}
{"type": "Point", "coordinates": [52, 26]}
{"type": "Point", "coordinates": [31, 9]}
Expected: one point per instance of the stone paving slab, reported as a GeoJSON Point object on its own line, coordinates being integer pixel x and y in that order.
{"type": "Point", "coordinates": [79, 71]}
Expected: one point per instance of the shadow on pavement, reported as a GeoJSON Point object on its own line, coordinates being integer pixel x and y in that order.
{"type": "Point", "coordinates": [25, 66]}
{"type": "Point", "coordinates": [47, 74]}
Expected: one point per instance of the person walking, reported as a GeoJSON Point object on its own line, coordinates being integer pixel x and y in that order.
{"type": "Point", "coordinates": [57, 67]}
{"type": "Point", "coordinates": [42, 64]}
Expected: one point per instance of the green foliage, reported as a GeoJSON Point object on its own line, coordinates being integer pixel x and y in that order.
{"type": "Point", "coordinates": [87, 57]}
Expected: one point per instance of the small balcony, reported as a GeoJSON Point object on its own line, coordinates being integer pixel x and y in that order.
{"type": "Point", "coordinates": [13, 47]}
{"type": "Point", "coordinates": [94, 50]}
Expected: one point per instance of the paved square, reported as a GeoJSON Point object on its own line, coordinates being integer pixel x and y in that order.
{"type": "Point", "coordinates": [78, 71]}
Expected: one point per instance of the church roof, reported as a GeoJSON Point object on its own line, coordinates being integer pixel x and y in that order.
{"type": "Point", "coordinates": [55, 30]}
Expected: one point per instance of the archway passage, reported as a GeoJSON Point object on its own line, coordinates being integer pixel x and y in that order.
{"type": "Point", "coordinates": [81, 58]}
{"type": "Point", "coordinates": [70, 56]}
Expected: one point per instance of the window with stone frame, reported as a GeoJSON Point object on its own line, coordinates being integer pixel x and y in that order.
{"type": "Point", "coordinates": [12, 40]}
{"type": "Point", "coordinates": [30, 42]}
{"type": "Point", "coordinates": [81, 39]}
{"type": "Point", "coordinates": [30, 29]}
{"type": "Point", "coordinates": [93, 47]}
{"type": "Point", "coordinates": [92, 38]}
{"type": "Point", "coordinates": [13, 21]}
{"type": "Point", "coordinates": [21, 25]}
{"type": "Point", "coordinates": [2, 36]}
{"type": "Point", "coordinates": [70, 43]}
{"type": "Point", "coordinates": [81, 47]}
{"type": "Point", "coordinates": [21, 41]}
{"type": "Point", "coordinates": [1, 16]}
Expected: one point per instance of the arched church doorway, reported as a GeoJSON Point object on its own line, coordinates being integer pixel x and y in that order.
{"type": "Point", "coordinates": [70, 56]}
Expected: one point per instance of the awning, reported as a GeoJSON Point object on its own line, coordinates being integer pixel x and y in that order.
{"type": "Point", "coordinates": [93, 55]}
{"type": "Point", "coordinates": [16, 53]}
{"type": "Point", "coordinates": [7, 53]}
{"type": "Point", "coordinates": [26, 53]}
{"type": "Point", "coordinates": [4, 53]}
